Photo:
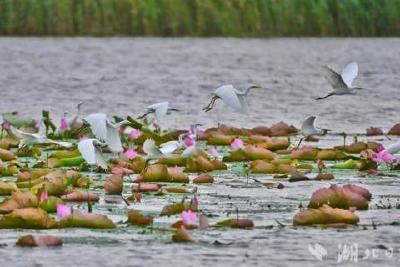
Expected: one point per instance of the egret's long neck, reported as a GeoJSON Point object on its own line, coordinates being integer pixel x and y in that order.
{"type": "Point", "coordinates": [13, 133]}
{"type": "Point", "coordinates": [244, 92]}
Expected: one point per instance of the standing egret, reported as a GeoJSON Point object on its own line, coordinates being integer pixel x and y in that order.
{"type": "Point", "coordinates": [232, 97]}
{"type": "Point", "coordinates": [105, 130]}
{"type": "Point", "coordinates": [189, 150]}
{"type": "Point", "coordinates": [90, 150]}
{"type": "Point", "coordinates": [308, 129]}
{"type": "Point", "coordinates": [76, 121]}
{"type": "Point", "coordinates": [342, 83]}
{"type": "Point", "coordinates": [27, 139]}
{"type": "Point", "coordinates": [2, 126]}
{"type": "Point", "coordinates": [160, 110]}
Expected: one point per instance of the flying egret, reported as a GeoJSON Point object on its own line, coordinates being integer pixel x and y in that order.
{"type": "Point", "coordinates": [27, 139]}
{"type": "Point", "coordinates": [232, 97]}
{"type": "Point", "coordinates": [90, 150]}
{"type": "Point", "coordinates": [160, 110]}
{"type": "Point", "coordinates": [342, 83]}
{"type": "Point", "coordinates": [308, 129]}
{"type": "Point", "coordinates": [106, 131]}
{"type": "Point", "coordinates": [393, 148]}
{"type": "Point", "coordinates": [165, 149]}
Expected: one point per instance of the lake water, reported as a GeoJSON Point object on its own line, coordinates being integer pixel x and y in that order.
{"type": "Point", "coordinates": [124, 75]}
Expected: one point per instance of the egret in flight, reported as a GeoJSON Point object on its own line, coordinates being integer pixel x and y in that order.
{"type": "Point", "coordinates": [90, 150]}
{"type": "Point", "coordinates": [342, 84]}
{"type": "Point", "coordinates": [232, 97]}
{"type": "Point", "coordinates": [164, 150]}
{"type": "Point", "coordinates": [105, 130]}
{"type": "Point", "coordinates": [28, 139]}
{"type": "Point", "coordinates": [308, 129]}
{"type": "Point", "coordinates": [160, 111]}
{"type": "Point", "coordinates": [393, 148]}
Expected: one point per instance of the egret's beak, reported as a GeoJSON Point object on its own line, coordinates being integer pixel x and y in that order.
{"type": "Point", "coordinates": [326, 131]}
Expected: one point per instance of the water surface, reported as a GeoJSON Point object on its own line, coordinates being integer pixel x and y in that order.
{"type": "Point", "coordinates": [123, 76]}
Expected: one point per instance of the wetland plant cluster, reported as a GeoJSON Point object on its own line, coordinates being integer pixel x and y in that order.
{"type": "Point", "coordinates": [255, 18]}
{"type": "Point", "coordinates": [46, 185]}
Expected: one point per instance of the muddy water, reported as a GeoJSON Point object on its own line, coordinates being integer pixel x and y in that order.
{"type": "Point", "coordinates": [121, 76]}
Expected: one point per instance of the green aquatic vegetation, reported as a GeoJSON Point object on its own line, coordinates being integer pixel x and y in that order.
{"type": "Point", "coordinates": [27, 218]}
{"type": "Point", "coordinates": [87, 220]}
{"type": "Point", "coordinates": [261, 18]}
{"type": "Point", "coordinates": [121, 202]}
{"type": "Point", "coordinates": [349, 164]}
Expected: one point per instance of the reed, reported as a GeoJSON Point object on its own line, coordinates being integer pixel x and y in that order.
{"type": "Point", "coordinates": [255, 18]}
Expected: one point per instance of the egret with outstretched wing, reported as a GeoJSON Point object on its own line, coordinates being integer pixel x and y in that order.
{"type": "Point", "coordinates": [232, 97]}
{"type": "Point", "coordinates": [342, 84]}
{"type": "Point", "coordinates": [90, 150]}
{"type": "Point", "coordinates": [308, 129]}
{"type": "Point", "coordinates": [160, 111]}
{"type": "Point", "coordinates": [105, 130]}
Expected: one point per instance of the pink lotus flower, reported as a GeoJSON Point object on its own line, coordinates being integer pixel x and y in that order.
{"type": "Point", "coordinates": [130, 153]}
{"type": "Point", "coordinates": [6, 124]}
{"type": "Point", "coordinates": [189, 218]}
{"type": "Point", "coordinates": [135, 134]}
{"type": "Point", "coordinates": [384, 157]}
{"type": "Point", "coordinates": [213, 151]}
{"type": "Point", "coordinates": [43, 196]}
{"type": "Point", "coordinates": [64, 125]}
{"type": "Point", "coordinates": [63, 211]}
{"type": "Point", "coordinates": [237, 144]}
{"type": "Point", "coordinates": [83, 137]}
{"type": "Point", "coordinates": [188, 141]}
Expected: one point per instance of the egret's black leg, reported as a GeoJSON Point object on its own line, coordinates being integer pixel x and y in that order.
{"type": "Point", "coordinates": [328, 95]}
{"type": "Point", "coordinates": [301, 140]}
{"type": "Point", "coordinates": [144, 115]}
{"type": "Point", "coordinates": [211, 105]}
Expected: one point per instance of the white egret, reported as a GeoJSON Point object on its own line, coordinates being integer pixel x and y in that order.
{"type": "Point", "coordinates": [90, 150]}
{"type": "Point", "coordinates": [342, 84]}
{"type": "Point", "coordinates": [393, 148]}
{"type": "Point", "coordinates": [232, 97]}
{"type": "Point", "coordinates": [76, 121]}
{"type": "Point", "coordinates": [27, 139]}
{"type": "Point", "coordinates": [106, 131]}
{"type": "Point", "coordinates": [160, 110]}
{"type": "Point", "coordinates": [308, 129]}
{"type": "Point", "coordinates": [189, 151]}
{"type": "Point", "coordinates": [165, 149]}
